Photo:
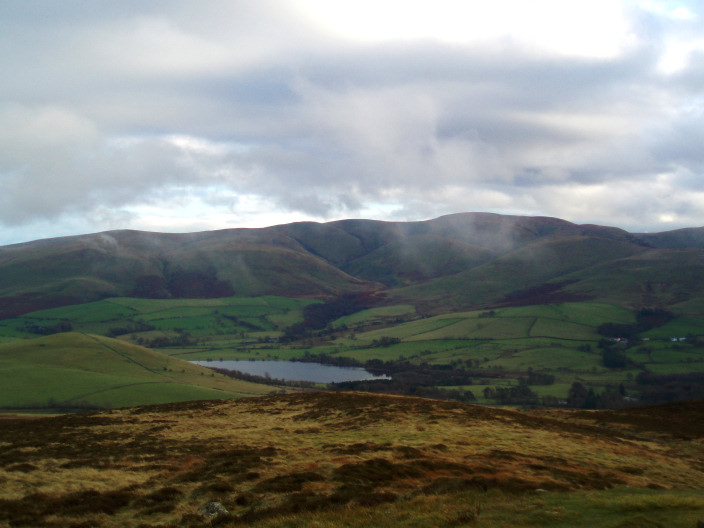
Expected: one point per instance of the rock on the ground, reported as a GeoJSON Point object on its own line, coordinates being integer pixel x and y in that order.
{"type": "Point", "coordinates": [213, 510]}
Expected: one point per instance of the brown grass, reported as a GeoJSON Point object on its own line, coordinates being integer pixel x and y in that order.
{"type": "Point", "coordinates": [270, 458]}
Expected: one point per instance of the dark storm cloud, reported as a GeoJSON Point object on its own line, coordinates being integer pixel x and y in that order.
{"type": "Point", "coordinates": [112, 109]}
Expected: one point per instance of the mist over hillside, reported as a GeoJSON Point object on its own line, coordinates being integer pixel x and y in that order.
{"type": "Point", "coordinates": [462, 260]}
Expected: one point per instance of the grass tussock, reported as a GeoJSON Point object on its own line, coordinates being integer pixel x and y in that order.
{"type": "Point", "coordinates": [323, 459]}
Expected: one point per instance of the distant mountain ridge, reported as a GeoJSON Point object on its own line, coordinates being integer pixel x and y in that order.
{"type": "Point", "coordinates": [461, 260]}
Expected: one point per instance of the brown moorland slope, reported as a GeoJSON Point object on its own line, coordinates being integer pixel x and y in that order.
{"type": "Point", "coordinates": [351, 459]}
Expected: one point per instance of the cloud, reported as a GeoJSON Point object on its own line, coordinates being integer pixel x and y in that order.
{"type": "Point", "coordinates": [543, 26]}
{"type": "Point", "coordinates": [172, 114]}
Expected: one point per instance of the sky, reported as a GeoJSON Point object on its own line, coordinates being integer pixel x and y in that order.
{"type": "Point", "coordinates": [182, 116]}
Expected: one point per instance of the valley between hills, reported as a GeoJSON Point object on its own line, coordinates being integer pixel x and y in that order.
{"type": "Point", "coordinates": [475, 307]}
{"type": "Point", "coordinates": [539, 373]}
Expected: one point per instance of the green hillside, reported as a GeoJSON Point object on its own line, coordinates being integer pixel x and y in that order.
{"type": "Point", "coordinates": [74, 370]}
{"type": "Point", "coordinates": [464, 303]}
{"type": "Point", "coordinates": [184, 320]}
{"type": "Point", "coordinates": [649, 278]}
{"type": "Point", "coordinates": [417, 258]}
{"type": "Point", "coordinates": [459, 351]}
{"type": "Point", "coordinates": [692, 237]}
{"type": "Point", "coordinates": [467, 260]}
{"type": "Point", "coordinates": [527, 274]}
{"type": "Point", "coordinates": [75, 270]}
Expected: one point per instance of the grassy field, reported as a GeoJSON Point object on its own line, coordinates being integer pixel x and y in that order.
{"type": "Point", "coordinates": [201, 317]}
{"type": "Point", "coordinates": [559, 339]}
{"type": "Point", "coordinates": [72, 370]}
{"type": "Point", "coordinates": [375, 316]}
{"type": "Point", "coordinates": [357, 460]}
{"type": "Point", "coordinates": [576, 321]}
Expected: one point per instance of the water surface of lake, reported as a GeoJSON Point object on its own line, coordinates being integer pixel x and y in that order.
{"type": "Point", "coordinates": [295, 370]}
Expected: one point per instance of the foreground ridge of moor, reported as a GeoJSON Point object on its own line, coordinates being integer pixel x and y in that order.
{"type": "Point", "coordinates": [353, 459]}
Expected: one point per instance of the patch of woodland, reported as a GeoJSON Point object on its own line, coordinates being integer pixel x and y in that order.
{"type": "Point", "coordinates": [646, 319]}
{"type": "Point", "coordinates": [241, 322]}
{"type": "Point", "coordinates": [33, 302]}
{"type": "Point", "coordinates": [182, 283]}
{"type": "Point", "coordinates": [421, 379]}
{"type": "Point", "coordinates": [405, 389]}
{"type": "Point", "coordinates": [265, 380]}
{"type": "Point", "coordinates": [181, 338]}
{"type": "Point", "coordinates": [319, 315]}
{"type": "Point", "coordinates": [132, 328]}
{"type": "Point", "coordinates": [546, 293]}
{"type": "Point", "coordinates": [58, 406]}
{"type": "Point", "coordinates": [60, 327]}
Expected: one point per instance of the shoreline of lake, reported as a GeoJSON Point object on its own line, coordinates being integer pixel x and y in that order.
{"type": "Point", "coordinates": [294, 370]}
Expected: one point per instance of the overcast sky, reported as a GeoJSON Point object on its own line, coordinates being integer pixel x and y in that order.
{"type": "Point", "coordinates": [188, 116]}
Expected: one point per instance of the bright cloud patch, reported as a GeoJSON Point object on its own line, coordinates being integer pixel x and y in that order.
{"type": "Point", "coordinates": [596, 28]}
{"type": "Point", "coordinates": [184, 116]}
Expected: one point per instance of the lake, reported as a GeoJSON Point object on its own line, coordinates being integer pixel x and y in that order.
{"type": "Point", "coordinates": [295, 370]}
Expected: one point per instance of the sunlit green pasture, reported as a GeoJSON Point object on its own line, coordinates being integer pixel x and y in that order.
{"type": "Point", "coordinates": [73, 368]}
{"type": "Point", "coordinates": [202, 317]}
{"type": "Point", "coordinates": [679, 327]}
{"type": "Point", "coordinates": [552, 358]}
{"type": "Point", "coordinates": [560, 339]}
{"type": "Point", "coordinates": [562, 330]}
{"type": "Point", "coordinates": [588, 314]}
{"type": "Point", "coordinates": [576, 321]}
{"type": "Point", "coordinates": [371, 315]}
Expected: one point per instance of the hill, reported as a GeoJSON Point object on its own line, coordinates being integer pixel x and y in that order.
{"type": "Point", "coordinates": [467, 260]}
{"type": "Point", "coordinates": [73, 371]}
{"type": "Point", "coordinates": [475, 307]}
{"type": "Point", "coordinates": [357, 460]}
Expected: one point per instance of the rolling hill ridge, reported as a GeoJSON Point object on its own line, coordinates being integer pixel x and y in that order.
{"type": "Point", "coordinates": [462, 260]}
{"type": "Point", "coordinates": [76, 371]}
